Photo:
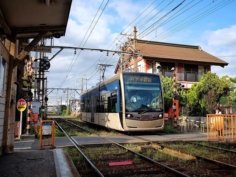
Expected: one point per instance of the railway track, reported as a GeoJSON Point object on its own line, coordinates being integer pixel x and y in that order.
{"type": "Point", "coordinates": [185, 161]}
{"type": "Point", "coordinates": [161, 158]}
{"type": "Point", "coordinates": [110, 164]}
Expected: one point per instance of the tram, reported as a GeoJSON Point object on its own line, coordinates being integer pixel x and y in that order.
{"type": "Point", "coordinates": [126, 102]}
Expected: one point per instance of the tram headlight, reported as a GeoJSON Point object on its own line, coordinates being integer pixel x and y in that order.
{"type": "Point", "coordinates": [129, 115]}
{"type": "Point", "coordinates": [160, 115]}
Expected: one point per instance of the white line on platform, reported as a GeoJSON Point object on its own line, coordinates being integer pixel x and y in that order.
{"type": "Point", "coordinates": [22, 148]}
{"type": "Point", "coordinates": [24, 141]}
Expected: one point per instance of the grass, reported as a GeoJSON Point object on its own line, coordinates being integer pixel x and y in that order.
{"type": "Point", "coordinates": [154, 151]}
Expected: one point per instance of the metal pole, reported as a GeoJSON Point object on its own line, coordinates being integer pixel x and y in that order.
{"type": "Point", "coordinates": [20, 125]}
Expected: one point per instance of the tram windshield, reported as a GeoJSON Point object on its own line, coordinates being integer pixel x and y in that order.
{"type": "Point", "coordinates": [143, 93]}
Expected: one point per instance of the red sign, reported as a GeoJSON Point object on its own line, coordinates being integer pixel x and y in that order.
{"type": "Point", "coordinates": [21, 105]}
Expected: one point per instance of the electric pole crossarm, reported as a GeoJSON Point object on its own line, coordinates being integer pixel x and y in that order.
{"type": "Point", "coordinates": [92, 49]}
{"type": "Point", "coordinates": [56, 54]}
{"type": "Point", "coordinates": [61, 89]}
{"type": "Point", "coordinates": [77, 92]}
{"type": "Point", "coordinates": [51, 91]}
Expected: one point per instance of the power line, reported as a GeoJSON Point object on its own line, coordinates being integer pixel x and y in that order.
{"type": "Point", "coordinates": [178, 27]}
{"type": "Point", "coordinates": [74, 60]}
{"type": "Point", "coordinates": [181, 25]}
{"type": "Point", "coordinates": [157, 14]}
{"type": "Point", "coordinates": [175, 15]}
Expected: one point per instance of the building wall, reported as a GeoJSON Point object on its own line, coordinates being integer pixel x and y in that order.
{"type": "Point", "coordinates": [4, 53]}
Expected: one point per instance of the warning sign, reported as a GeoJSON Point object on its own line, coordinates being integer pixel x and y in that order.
{"type": "Point", "coordinates": [21, 105]}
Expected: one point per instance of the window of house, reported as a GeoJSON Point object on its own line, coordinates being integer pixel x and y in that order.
{"type": "Point", "coordinates": [167, 66]}
{"type": "Point", "coordinates": [2, 75]}
{"type": "Point", "coordinates": [191, 68]}
{"type": "Point", "coordinates": [191, 72]}
{"type": "Point", "coordinates": [166, 69]}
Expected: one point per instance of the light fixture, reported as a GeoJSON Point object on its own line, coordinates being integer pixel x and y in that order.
{"type": "Point", "coordinates": [56, 35]}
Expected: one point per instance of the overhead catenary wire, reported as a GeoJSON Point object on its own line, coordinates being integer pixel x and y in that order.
{"type": "Point", "coordinates": [73, 61]}
{"type": "Point", "coordinates": [175, 15]}
{"type": "Point", "coordinates": [99, 60]}
{"type": "Point", "coordinates": [179, 26]}
{"type": "Point", "coordinates": [109, 59]}
{"type": "Point", "coordinates": [193, 20]}
{"type": "Point", "coordinates": [145, 23]}
{"type": "Point", "coordinates": [106, 58]}
{"type": "Point", "coordinates": [154, 16]}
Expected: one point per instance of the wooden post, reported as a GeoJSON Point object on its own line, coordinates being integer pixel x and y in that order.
{"type": "Point", "coordinates": [8, 105]}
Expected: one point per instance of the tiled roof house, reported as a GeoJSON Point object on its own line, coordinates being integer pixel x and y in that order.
{"type": "Point", "coordinates": [189, 62]}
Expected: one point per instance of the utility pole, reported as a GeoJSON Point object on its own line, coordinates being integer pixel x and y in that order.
{"type": "Point", "coordinates": [67, 104]}
{"type": "Point", "coordinates": [82, 85]}
{"type": "Point", "coordinates": [135, 56]}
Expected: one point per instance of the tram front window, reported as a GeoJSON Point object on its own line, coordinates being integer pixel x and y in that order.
{"type": "Point", "coordinates": [143, 96]}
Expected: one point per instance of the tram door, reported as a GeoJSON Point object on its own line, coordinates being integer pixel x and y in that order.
{"type": "Point", "coordinates": [93, 107]}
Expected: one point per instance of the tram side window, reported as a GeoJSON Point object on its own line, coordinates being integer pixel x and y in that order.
{"type": "Point", "coordinates": [105, 104]}
{"type": "Point", "coordinates": [98, 104]}
{"type": "Point", "coordinates": [87, 105]}
{"type": "Point", "coordinates": [82, 106]}
{"type": "Point", "coordinates": [102, 104]}
{"type": "Point", "coordinates": [112, 101]}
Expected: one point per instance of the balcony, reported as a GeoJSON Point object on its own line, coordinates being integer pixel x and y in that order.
{"type": "Point", "coordinates": [184, 76]}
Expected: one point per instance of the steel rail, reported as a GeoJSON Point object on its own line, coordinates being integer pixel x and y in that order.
{"type": "Point", "coordinates": [200, 157]}
{"type": "Point", "coordinates": [81, 152]}
{"type": "Point", "coordinates": [218, 148]}
{"type": "Point", "coordinates": [173, 171]}
{"type": "Point", "coordinates": [78, 126]}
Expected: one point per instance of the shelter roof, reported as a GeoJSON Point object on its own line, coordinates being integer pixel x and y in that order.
{"type": "Point", "coordinates": [26, 18]}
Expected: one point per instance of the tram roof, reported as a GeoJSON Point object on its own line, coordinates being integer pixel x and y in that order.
{"type": "Point", "coordinates": [26, 18]}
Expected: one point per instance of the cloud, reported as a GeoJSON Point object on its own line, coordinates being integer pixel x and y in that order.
{"type": "Point", "coordinates": [106, 35]}
{"type": "Point", "coordinates": [221, 43]}
{"type": "Point", "coordinates": [225, 37]}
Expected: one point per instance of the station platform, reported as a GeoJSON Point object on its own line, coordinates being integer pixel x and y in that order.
{"type": "Point", "coordinates": [28, 160]}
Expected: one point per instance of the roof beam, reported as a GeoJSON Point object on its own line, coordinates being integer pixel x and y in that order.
{"type": "Point", "coordinates": [29, 47]}
{"type": "Point", "coordinates": [4, 24]}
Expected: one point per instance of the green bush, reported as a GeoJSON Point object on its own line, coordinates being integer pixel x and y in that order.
{"type": "Point", "coordinates": [58, 133]}
{"type": "Point", "coordinates": [169, 129]}
{"type": "Point", "coordinates": [65, 113]}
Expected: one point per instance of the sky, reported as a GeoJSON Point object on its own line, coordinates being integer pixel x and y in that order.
{"type": "Point", "coordinates": [107, 24]}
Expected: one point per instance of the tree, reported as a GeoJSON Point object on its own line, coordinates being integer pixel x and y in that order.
{"type": "Point", "coordinates": [207, 93]}
{"type": "Point", "coordinates": [168, 91]}
{"type": "Point", "coordinates": [167, 86]}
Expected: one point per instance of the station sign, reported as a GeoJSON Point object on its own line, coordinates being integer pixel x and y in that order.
{"type": "Point", "coordinates": [21, 105]}
{"type": "Point", "coordinates": [45, 49]}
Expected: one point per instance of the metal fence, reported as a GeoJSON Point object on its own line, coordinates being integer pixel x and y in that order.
{"type": "Point", "coordinates": [189, 123]}
{"type": "Point", "coordinates": [221, 127]}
